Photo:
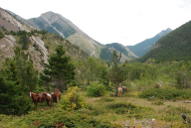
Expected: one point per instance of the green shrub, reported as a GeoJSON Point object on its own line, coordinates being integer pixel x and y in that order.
{"type": "Point", "coordinates": [96, 89]}
{"type": "Point", "coordinates": [1, 35]}
{"type": "Point", "coordinates": [183, 79]}
{"type": "Point", "coordinates": [166, 93]}
{"type": "Point", "coordinates": [24, 40]}
{"type": "Point", "coordinates": [72, 99]}
{"type": "Point", "coordinates": [12, 101]}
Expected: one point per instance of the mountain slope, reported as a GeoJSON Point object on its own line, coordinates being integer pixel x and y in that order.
{"type": "Point", "coordinates": [106, 53]}
{"type": "Point", "coordinates": [10, 23]}
{"type": "Point", "coordinates": [36, 44]}
{"type": "Point", "coordinates": [143, 47]}
{"type": "Point", "coordinates": [55, 23]}
{"type": "Point", "coordinates": [174, 46]}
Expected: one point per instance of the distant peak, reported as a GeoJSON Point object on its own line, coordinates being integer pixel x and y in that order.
{"type": "Point", "coordinates": [49, 13]}
{"type": "Point", "coordinates": [169, 29]}
{"type": "Point", "coordinates": [115, 43]}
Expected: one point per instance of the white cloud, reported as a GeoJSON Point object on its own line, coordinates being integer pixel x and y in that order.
{"type": "Point", "coordinates": [123, 21]}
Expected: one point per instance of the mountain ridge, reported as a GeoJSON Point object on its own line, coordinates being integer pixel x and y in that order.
{"type": "Point", "coordinates": [140, 49]}
{"type": "Point", "coordinates": [56, 23]}
{"type": "Point", "coordinates": [174, 46]}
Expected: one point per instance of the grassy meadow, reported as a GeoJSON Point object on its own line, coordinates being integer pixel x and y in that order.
{"type": "Point", "coordinates": [104, 112]}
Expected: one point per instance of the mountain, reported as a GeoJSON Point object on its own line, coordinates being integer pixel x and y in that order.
{"type": "Point", "coordinates": [106, 53]}
{"type": "Point", "coordinates": [174, 46]}
{"type": "Point", "coordinates": [55, 23]}
{"type": "Point", "coordinates": [38, 45]}
{"type": "Point", "coordinates": [145, 46]}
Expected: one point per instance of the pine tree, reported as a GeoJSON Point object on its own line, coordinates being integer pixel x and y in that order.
{"type": "Point", "coordinates": [20, 70]}
{"type": "Point", "coordinates": [116, 72]}
{"type": "Point", "coordinates": [16, 79]}
{"type": "Point", "coordinates": [59, 71]}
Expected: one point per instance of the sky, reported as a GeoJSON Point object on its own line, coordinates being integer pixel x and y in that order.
{"type": "Point", "coordinates": [124, 21]}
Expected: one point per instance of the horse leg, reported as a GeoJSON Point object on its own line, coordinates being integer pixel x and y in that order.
{"type": "Point", "coordinates": [57, 99]}
{"type": "Point", "coordinates": [48, 102]}
{"type": "Point", "coordinates": [35, 103]}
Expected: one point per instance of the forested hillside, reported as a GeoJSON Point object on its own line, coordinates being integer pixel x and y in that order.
{"type": "Point", "coordinates": [145, 46]}
{"type": "Point", "coordinates": [174, 46]}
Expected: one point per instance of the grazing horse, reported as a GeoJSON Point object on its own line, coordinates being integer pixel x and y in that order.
{"type": "Point", "coordinates": [34, 97]}
{"type": "Point", "coordinates": [41, 97]}
{"type": "Point", "coordinates": [56, 95]}
{"type": "Point", "coordinates": [48, 98]}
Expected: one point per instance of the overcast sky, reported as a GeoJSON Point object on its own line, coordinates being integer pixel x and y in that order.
{"type": "Point", "coordinates": [124, 21]}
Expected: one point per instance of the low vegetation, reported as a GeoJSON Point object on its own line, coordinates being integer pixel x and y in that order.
{"type": "Point", "coordinates": [166, 94]}
{"type": "Point", "coordinates": [1, 35]}
{"type": "Point", "coordinates": [96, 89]}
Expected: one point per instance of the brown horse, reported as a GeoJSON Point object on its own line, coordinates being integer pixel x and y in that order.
{"type": "Point", "coordinates": [34, 97]}
{"type": "Point", "coordinates": [56, 95]}
{"type": "Point", "coordinates": [48, 98]}
{"type": "Point", "coordinates": [41, 97]}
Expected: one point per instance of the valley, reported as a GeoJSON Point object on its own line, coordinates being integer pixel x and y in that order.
{"type": "Point", "coordinates": [146, 85]}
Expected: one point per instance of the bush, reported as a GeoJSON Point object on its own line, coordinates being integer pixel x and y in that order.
{"type": "Point", "coordinates": [183, 79]}
{"type": "Point", "coordinates": [12, 101]}
{"type": "Point", "coordinates": [166, 93]}
{"type": "Point", "coordinates": [96, 89]}
{"type": "Point", "coordinates": [72, 99]}
{"type": "Point", "coordinates": [1, 35]}
{"type": "Point", "coordinates": [24, 40]}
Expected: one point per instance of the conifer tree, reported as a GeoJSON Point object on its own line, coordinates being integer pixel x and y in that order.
{"type": "Point", "coordinates": [20, 70]}
{"type": "Point", "coordinates": [59, 71]}
{"type": "Point", "coordinates": [17, 78]}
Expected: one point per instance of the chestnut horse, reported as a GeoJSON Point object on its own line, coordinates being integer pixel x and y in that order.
{"type": "Point", "coordinates": [41, 97]}
{"type": "Point", "coordinates": [48, 98]}
{"type": "Point", "coordinates": [56, 95]}
{"type": "Point", "coordinates": [34, 97]}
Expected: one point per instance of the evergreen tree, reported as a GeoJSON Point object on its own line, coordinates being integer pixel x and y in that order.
{"type": "Point", "coordinates": [116, 72]}
{"type": "Point", "coordinates": [16, 79]}
{"type": "Point", "coordinates": [20, 70]}
{"type": "Point", "coordinates": [59, 71]}
{"type": "Point", "coordinates": [12, 100]}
